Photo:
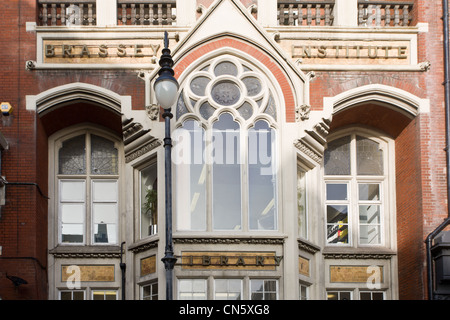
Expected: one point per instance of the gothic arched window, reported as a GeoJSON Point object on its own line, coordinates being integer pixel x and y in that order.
{"type": "Point", "coordinates": [225, 149]}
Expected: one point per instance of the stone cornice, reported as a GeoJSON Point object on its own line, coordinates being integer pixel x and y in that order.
{"type": "Point", "coordinates": [358, 253]}
{"type": "Point", "coordinates": [86, 252]}
{"type": "Point", "coordinates": [307, 246]}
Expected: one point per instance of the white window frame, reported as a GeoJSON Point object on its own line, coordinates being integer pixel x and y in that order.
{"type": "Point", "coordinates": [387, 189]}
{"type": "Point", "coordinates": [277, 290]}
{"type": "Point", "coordinates": [153, 162]}
{"type": "Point", "coordinates": [71, 292]}
{"type": "Point", "coordinates": [227, 292]}
{"type": "Point", "coordinates": [88, 178]}
{"type": "Point", "coordinates": [192, 291]}
{"type": "Point", "coordinates": [93, 291]}
{"type": "Point", "coordinates": [152, 294]}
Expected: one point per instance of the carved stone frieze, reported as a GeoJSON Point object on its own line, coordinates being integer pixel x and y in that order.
{"type": "Point", "coordinates": [142, 150]}
{"type": "Point", "coordinates": [211, 240]}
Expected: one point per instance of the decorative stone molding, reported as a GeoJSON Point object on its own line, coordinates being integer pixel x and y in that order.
{"type": "Point", "coordinates": [312, 145]}
{"type": "Point", "coordinates": [425, 66]}
{"type": "Point", "coordinates": [152, 112]}
{"type": "Point", "coordinates": [132, 130]}
{"type": "Point", "coordinates": [211, 240]}
{"type": "Point", "coordinates": [357, 253]}
{"type": "Point", "coordinates": [302, 112]}
{"type": "Point", "coordinates": [141, 247]}
{"type": "Point", "coordinates": [357, 256]}
{"type": "Point", "coordinates": [307, 150]}
{"type": "Point", "coordinates": [142, 150]}
{"type": "Point", "coordinates": [94, 252]}
{"type": "Point", "coordinates": [307, 246]}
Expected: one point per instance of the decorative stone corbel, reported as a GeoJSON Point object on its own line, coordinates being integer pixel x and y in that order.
{"type": "Point", "coordinates": [425, 66]}
{"type": "Point", "coordinates": [302, 112]}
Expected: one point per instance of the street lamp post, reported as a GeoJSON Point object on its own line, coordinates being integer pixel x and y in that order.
{"type": "Point", "coordinates": [166, 88]}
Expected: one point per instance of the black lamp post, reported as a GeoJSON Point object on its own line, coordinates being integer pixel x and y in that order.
{"type": "Point", "coordinates": [166, 88]}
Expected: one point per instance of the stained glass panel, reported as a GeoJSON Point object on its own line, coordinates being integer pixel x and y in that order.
{"type": "Point", "coordinates": [226, 93]}
{"type": "Point", "coordinates": [369, 157]}
{"type": "Point", "coordinates": [72, 156]}
{"type": "Point", "coordinates": [337, 157]}
{"type": "Point", "coordinates": [226, 68]}
{"type": "Point", "coordinates": [104, 156]}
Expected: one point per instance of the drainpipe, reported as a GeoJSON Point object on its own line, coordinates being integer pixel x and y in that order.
{"type": "Point", "coordinates": [446, 84]}
{"type": "Point", "coordinates": [123, 267]}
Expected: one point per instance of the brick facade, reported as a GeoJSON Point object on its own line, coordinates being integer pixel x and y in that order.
{"type": "Point", "coordinates": [421, 183]}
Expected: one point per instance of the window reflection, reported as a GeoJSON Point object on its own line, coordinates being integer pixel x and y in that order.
{"type": "Point", "coordinates": [189, 149]}
{"type": "Point", "coordinates": [226, 174]}
{"type": "Point", "coordinates": [262, 177]}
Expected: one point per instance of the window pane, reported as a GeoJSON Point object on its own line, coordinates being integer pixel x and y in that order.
{"type": "Point", "coordinates": [66, 295]}
{"type": "Point", "coordinates": [263, 289]}
{"type": "Point", "coordinates": [228, 289]}
{"type": "Point", "coordinates": [262, 178]}
{"type": "Point", "coordinates": [206, 110]}
{"type": "Point", "coordinates": [369, 157]}
{"type": "Point", "coordinates": [104, 156]}
{"type": "Point", "coordinates": [226, 93]}
{"type": "Point", "coordinates": [369, 234]}
{"type": "Point", "coordinates": [337, 157]}
{"type": "Point", "coordinates": [369, 214]}
{"type": "Point", "coordinates": [72, 191]}
{"type": "Point", "coordinates": [148, 199]}
{"type": "Point", "coordinates": [192, 289]}
{"type": "Point", "coordinates": [253, 85]}
{"type": "Point", "coordinates": [337, 191]}
{"type": "Point", "coordinates": [72, 210]}
{"type": "Point", "coordinates": [337, 224]}
{"type": "Point", "coordinates": [105, 191]}
{"type": "Point", "coordinates": [369, 191]}
{"type": "Point", "coordinates": [226, 68]}
{"type": "Point", "coordinates": [339, 295]}
{"type": "Point", "coordinates": [226, 174]}
{"type": "Point", "coordinates": [301, 202]}
{"type": "Point", "coordinates": [72, 156]}
{"type": "Point", "coordinates": [198, 85]}
{"type": "Point", "coordinates": [190, 170]}
{"type": "Point", "coordinates": [105, 210]}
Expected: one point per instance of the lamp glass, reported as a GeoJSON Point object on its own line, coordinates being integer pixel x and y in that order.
{"type": "Point", "coordinates": [166, 92]}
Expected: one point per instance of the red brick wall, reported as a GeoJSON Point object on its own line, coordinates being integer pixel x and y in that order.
{"type": "Point", "coordinates": [409, 212]}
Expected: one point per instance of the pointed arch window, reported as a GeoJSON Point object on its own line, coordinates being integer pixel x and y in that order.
{"type": "Point", "coordinates": [225, 149]}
